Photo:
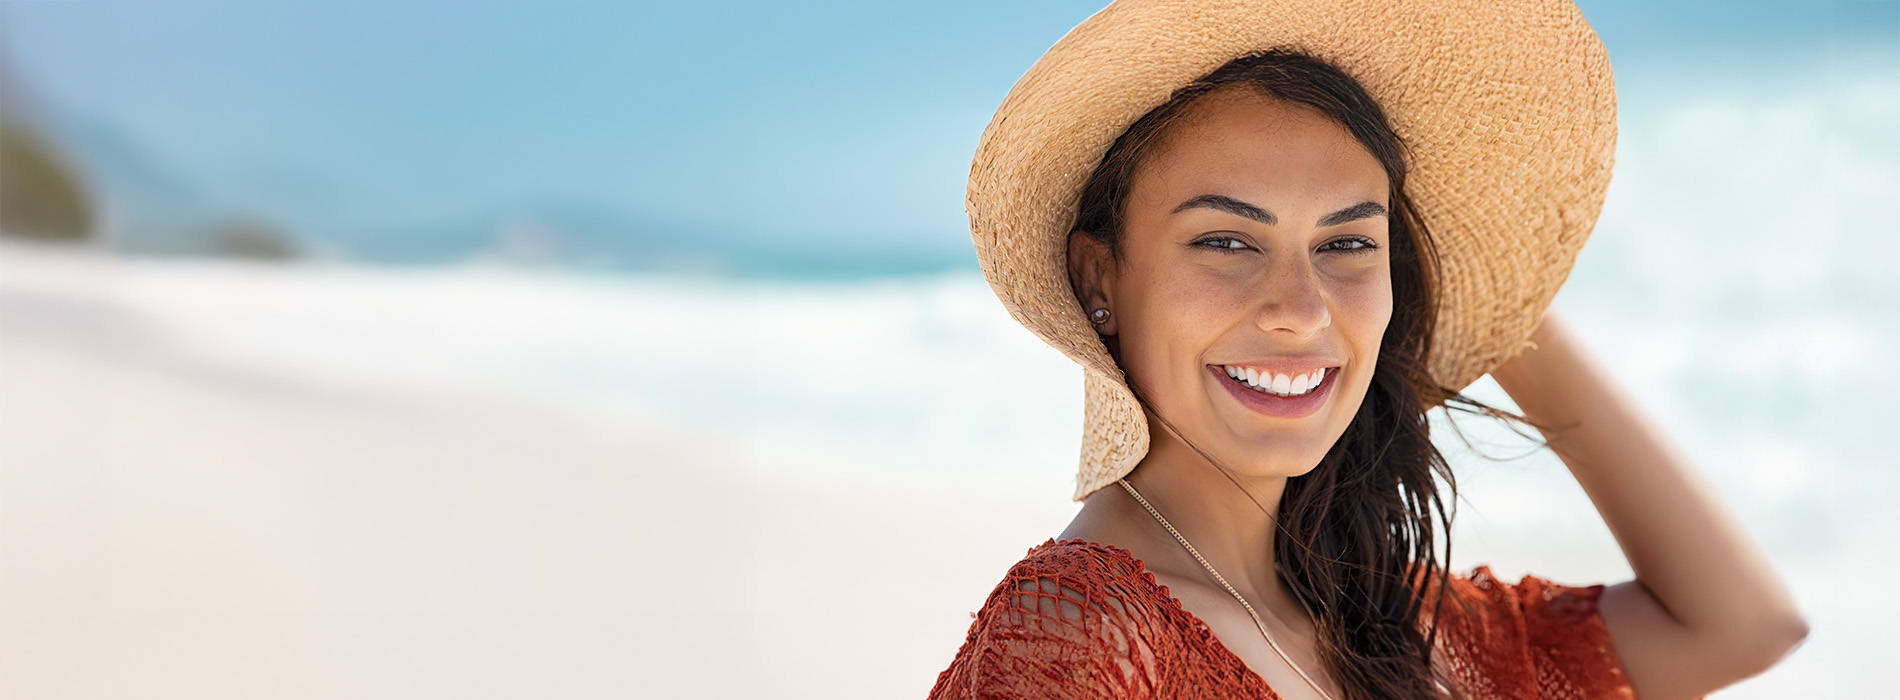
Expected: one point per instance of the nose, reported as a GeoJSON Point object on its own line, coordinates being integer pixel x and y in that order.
{"type": "Point", "coordinates": [1292, 299]}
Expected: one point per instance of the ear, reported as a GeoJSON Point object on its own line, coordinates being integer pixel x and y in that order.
{"type": "Point", "coordinates": [1091, 275]}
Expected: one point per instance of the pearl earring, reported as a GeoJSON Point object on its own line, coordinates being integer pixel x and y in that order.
{"type": "Point", "coordinates": [1098, 316]}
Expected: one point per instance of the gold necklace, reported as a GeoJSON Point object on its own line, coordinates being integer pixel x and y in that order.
{"type": "Point", "coordinates": [1262, 626]}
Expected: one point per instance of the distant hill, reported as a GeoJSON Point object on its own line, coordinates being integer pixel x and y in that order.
{"type": "Point", "coordinates": [40, 195]}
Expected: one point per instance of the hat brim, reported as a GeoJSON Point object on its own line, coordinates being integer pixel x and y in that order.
{"type": "Point", "coordinates": [1508, 109]}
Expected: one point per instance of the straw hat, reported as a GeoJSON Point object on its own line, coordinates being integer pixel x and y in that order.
{"type": "Point", "coordinates": [1507, 107]}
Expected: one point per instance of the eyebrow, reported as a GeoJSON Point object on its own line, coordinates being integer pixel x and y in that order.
{"type": "Point", "coordinates": [1362, 210]}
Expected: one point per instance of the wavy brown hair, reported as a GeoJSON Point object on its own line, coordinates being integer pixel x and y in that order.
{"type": "Point", "coordinates": [1359, 534]}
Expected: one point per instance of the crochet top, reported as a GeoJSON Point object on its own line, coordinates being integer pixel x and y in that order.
{"type": "Point", "coordinates": [1078, 619]}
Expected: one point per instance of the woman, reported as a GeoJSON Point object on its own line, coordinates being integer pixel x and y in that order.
{"type": "Point", "coordinates": [1274, 236]}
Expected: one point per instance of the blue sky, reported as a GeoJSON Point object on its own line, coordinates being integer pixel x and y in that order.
{"type": "Point", "coordinates": [819, 126]}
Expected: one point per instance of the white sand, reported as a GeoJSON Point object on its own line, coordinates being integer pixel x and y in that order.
{"type": "Point", "coordinates": [166, 532]}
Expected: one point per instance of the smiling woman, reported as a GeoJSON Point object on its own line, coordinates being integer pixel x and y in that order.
{"type": "Point", "coordinates": [1209, 257]}
{"type": "Point", "coordinates": [1273, 270]}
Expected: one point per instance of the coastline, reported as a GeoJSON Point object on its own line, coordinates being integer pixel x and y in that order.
{"type": "Point", "coordinates": [230, 480]}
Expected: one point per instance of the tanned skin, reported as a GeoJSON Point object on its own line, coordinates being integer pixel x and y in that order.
{"type": "Point", "coordinates": [1202, 279]}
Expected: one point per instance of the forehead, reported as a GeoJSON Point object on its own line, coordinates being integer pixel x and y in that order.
{"type": "Point", "coordinates": [1240, 143]}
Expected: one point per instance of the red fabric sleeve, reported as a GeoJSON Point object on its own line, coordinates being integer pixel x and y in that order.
{"type": "Point", "coordinates": [1062, 624]}
{"type": "Point", "coordinates": [1534, 639]}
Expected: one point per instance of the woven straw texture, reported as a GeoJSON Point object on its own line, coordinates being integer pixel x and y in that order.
{"type": "Point", "coordinates": [1507, 106]}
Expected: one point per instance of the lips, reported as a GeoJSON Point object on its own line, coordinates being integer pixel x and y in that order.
{"type": "Point", "coordinates": [1274, 405]}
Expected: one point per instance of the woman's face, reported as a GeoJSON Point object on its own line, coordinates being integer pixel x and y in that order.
{"type": "Point", "coordinates": [1255, 243]}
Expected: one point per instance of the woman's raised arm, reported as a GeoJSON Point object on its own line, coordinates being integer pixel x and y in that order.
{"type": "Point", "coordinates": [1706, 608]}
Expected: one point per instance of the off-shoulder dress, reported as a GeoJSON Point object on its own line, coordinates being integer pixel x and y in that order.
{"type": "Point", "coordinates": [1078, 619]}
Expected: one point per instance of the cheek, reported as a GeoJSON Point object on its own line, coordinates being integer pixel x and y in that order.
{"type": "Point", "coordinates": [1361, 312]}
{"type": "Point", "coordinates": [1178, 313]}
{"type": "Point", "coordinates": [1362, 309]}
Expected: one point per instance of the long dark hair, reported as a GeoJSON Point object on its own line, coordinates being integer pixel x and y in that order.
{"type": "Point", "coordinates": [1359, 534]}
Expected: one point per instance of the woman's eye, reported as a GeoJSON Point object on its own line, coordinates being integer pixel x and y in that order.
{"type": "Point", "coordinates": [1350, 245]}
{"type": "Point", "coordinates": [1223, 243]}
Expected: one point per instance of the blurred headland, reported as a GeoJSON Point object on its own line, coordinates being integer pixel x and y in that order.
{"type": "Point", "coordinates": [40, 197]}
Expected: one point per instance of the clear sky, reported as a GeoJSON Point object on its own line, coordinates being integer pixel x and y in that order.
{"type": "Point", "coordinates": [809, 125]}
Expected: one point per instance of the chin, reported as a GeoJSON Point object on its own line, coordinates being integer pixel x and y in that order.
{"type": "Point", "coordinates": [1278, 459]}
{"type": "Point", "coordinates": [1289, 451]}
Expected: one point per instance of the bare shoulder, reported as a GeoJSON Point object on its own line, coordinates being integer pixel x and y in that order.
{"type": "Point", "coordinates": [1111, 518]}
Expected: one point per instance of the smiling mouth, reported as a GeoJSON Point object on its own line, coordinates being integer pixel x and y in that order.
{"type": "Point", "coordinates": [1287, 385]}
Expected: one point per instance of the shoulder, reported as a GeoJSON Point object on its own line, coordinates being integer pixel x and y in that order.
{"type": "Point", "coordinates": [1072, 619]}
{"type": "Point", "coordinates": [1073, 589]}
{"type": "Point", "coordinates": [1533, 634]}
{"type": "Point", "coordinates": [1086, 567]}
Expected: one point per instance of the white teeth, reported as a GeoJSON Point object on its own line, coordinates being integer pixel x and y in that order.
{"type": "Point", "coordinates": [1277, 384]}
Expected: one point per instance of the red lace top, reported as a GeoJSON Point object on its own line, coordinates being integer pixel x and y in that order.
{"type": "Point", "coordinates": [1077, 619]}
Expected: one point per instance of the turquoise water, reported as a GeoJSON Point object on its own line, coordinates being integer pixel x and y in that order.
{"type": "Point", "coordinates": [647, 138]}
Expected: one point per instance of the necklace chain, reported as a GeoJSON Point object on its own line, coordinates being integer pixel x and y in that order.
{"type": "Point", "coordinates": [1257, 623]}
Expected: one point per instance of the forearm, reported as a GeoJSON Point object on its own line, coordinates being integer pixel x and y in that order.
{"type": "Point", "coordinates": [1687, 550]}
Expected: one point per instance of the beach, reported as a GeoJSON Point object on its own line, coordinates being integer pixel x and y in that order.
{"type": "Point", "coordinates": [236, 480]}
{"type": "Point", "coordinates": [580, 354]}
{"type": "Point", "coordinates": [207, 536]}
{"type": "Point", "coordinates": [175, 529]}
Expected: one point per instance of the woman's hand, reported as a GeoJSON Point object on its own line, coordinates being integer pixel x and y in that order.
{"type": "Point", "coordinates": [1706, 608]}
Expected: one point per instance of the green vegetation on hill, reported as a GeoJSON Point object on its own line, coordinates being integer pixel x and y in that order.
{"type": "Point", "coordinates": [40, 197]}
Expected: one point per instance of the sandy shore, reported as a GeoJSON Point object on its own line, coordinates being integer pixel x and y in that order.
{"type": "Point", "coordinates": [168, 533]}
{"type": "Point", "coordinates": [223, 481]}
